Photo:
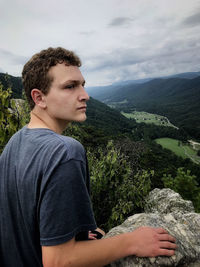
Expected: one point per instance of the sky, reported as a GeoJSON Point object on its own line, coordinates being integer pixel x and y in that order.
{"type": "Point", "coordinates": [117, 40]}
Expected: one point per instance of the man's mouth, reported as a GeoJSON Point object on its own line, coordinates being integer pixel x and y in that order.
{"type": "Point", "coordinates": [82, 108]}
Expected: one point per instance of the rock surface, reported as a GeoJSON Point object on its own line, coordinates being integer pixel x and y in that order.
{"type": "Point", "coordinates": [165, 208]}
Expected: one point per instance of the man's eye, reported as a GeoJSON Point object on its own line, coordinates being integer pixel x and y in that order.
{"type": "Point", "coordinates": [70, 86]}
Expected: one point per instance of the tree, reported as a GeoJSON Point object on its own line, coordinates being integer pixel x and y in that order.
{"type": "Point", "coordinates": [185, 184]}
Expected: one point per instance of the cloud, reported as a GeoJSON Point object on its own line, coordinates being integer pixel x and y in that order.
{"type": "Point", "coordinates": [87, 33]}
{"type": "Point", "coordinates": [116, 59]}
{"type": "Point", "coordinates": [115, 39]}
{"type": "Point", "coordinates": [12, 58]}
{"type": "Point", "coordinates": [175, 56]}
{"type": "Point", "coordinates": [120, 21]}
{"type": "Point", "coordinates": [193, 20]}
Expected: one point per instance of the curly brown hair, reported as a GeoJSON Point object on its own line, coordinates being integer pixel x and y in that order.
{"type": "Point", "coordinates": [35, 71]}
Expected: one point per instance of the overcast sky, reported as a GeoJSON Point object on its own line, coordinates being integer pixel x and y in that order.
{"type": "Point", "coordinates": [116, 39]}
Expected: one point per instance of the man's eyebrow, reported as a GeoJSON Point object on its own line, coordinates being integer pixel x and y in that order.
{"type": "Point", "coordinates": [74, 82]}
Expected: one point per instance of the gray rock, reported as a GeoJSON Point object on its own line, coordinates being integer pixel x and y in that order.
{"type": "Point", "coordinates": [167, 201]}
{"type": "Point", "coordinates": [165, 208]}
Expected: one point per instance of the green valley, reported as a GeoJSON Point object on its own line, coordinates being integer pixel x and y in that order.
{"type": "Point", "coordinates": [142, 116]}
{"type": "Point", "coordinates": [184, 150]}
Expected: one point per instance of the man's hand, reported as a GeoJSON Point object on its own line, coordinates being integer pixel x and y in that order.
{"type": "Point", "coordinates": [152, 242]}
{"type": "Point", "coordinates": [97, 234]}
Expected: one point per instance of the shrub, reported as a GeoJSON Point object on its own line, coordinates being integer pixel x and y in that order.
{"type": "Point", "coordinates": [115, 193]}
{"type": "Point", "coordinates": [13, 115]}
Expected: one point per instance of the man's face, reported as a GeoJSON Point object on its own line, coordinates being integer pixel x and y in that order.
{"type": "Point", "coordinates": [66, 99]}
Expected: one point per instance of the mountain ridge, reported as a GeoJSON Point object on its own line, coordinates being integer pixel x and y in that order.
{"type": "Point", "coordinates": [95, 89]}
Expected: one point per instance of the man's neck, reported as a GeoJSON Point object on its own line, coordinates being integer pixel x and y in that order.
{"type": "Point", "coordinates": [37, 120]}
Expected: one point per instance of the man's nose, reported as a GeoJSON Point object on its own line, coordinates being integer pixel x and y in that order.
{"type": "Point", "coordinates": [84, 95]}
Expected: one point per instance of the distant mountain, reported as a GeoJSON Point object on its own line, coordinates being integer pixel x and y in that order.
{"type": "Point", "coordinates": [186, 75]}
{"type": "Point", "coordinates": [14, 82]}
{"type": "Point", "coordinates": [155, 90]}
{"type": "Point", "coordinates": [103, 92]}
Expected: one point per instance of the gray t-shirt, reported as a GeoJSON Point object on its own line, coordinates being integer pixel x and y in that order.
{"type": "Point", "coordinates": [44, 195]}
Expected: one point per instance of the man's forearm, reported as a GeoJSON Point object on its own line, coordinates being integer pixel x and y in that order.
{"type": "Point", "coordinates": [100, 252]}
{"type": "Point", "coordinates": [143, 242]}
{"type": "Point", "coordinates": [86, 253]}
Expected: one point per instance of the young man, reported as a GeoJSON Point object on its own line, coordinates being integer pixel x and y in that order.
{"type": "Point", "coordinates": [45, 207]}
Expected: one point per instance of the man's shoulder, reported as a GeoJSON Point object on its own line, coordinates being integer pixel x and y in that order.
{"type": "Point", "coordinates": [69, 142]}
{"type": "Point", "coordinates": [56, 144]}
{"type": "Point", "coordinates": [47, 143]}
{"type": "Point", "coordinates": [47, 136]}
{"type": "Point", "coordinates": [74, 148]}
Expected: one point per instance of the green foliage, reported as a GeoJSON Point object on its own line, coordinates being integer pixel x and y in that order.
{"type": "Point", "coordinates": [9, 81]}
{"type": "Point", "coordinates": [13, 115]}
{"type": "Point", "coordinates": [185, 184]}
{"type": "Point", "coordinates": [134, 151]}
{"type": "Point", "coordinates": [115, 193]}
{"type": "Point", "coordinates": [8, 121]}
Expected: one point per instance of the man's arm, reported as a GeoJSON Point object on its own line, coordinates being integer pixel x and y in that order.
{"type": "Point", "coordinates": [143, 242]}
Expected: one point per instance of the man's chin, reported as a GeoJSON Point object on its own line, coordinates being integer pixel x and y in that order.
{"type": "Point", "coordinates": [81, 119]}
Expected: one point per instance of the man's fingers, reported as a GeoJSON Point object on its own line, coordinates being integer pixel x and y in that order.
{"type": "Point", "coordinates": [166, 237]}
{"type": "Point", "coordinates": [161, 231]}
{"type": "Point", "coordinates": [166, 252]}
{"type": "Point", "coordinates": [91, 235]}
{"type": "Point", "coordinates": [168, 245]}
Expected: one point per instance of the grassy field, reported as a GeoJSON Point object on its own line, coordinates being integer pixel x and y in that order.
{"type": "Point", "coordinates": [182, 150]}
{"type": "Point", "coordinates": [148, 118]}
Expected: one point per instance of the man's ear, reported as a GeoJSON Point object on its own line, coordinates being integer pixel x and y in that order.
{"type": "Point", "coordinates": [38, 98]}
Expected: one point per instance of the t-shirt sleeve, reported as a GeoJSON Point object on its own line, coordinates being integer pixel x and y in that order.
{"type": "Point", "coordinates": [65, 208]}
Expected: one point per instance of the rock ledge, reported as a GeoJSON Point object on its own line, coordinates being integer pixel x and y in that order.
{"type": "Point", "coordinates": [165, 208]}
